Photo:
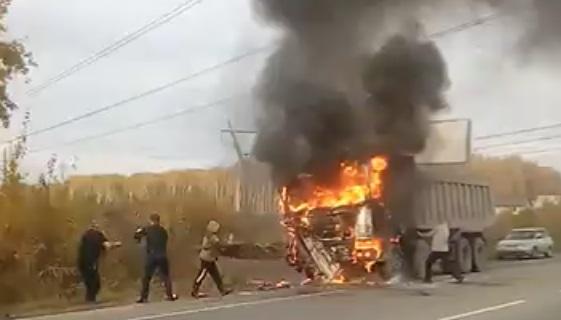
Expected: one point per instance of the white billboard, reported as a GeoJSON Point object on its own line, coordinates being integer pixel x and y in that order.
{"type": "Point", "coordinates": [448, 143]}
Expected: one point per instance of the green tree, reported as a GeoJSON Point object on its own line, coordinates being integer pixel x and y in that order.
{"type": "Point", "coordinates": [14, 61]}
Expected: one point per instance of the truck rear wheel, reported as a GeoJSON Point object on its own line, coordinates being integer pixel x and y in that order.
{"type": "Point", "coordinates": [464, 255]}
{"type": "Point", "coordinates": [479, 255]}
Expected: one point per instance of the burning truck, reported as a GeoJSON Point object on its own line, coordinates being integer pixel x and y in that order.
{"type": "Point", "coordinates": [354, 225]}
{"type": "Point", "coordinates": [331, 229]}
{"type": "Point", "coordinates": [345, 108]}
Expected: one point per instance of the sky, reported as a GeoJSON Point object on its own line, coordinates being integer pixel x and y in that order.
{"type": "Point", "coordinates": [490, 85]}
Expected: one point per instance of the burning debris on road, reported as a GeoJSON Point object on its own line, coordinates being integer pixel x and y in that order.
{"type": "Point", "coordinates": [263, 285]}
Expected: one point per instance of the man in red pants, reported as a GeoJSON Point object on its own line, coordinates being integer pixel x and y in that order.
{"type": "Point", "coordinates": [208, 256]}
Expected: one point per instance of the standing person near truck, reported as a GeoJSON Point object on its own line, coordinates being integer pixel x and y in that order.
{"type": "Point", "coordinates": [440, 250]}
{"type": "Point", "coordinates": [92, 244]}
{"type": "Point", "coordinates": [156, 257]}
{"type": "Point", "coordinates": [210, 250]}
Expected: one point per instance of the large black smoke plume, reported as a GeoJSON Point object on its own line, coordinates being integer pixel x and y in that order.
{"type": "Point", "coordinates": [332, 92]}
{"type": "Point", "coordinates": [539, 21]}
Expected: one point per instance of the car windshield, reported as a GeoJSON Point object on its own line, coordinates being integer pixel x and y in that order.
{"type": "Point", "coordinates": [521, 235]}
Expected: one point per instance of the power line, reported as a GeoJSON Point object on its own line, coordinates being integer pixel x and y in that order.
{"type": "Point", "coordinates": [141, 95]}
{"type": "Point", "coordinates": [491, 146]}
{"type": "Point", "coordinates": [515, 143]}
{"type": "Point", "coordinates": [455, 29]}
{"type": "Point", "coordinates": [519, 131]}
{"type": "Point", "coordinates": [467, 25]}
{"type": "Point", "coordinates": [113, 47]}
{"type": "Point", "coordinates": [142, 124]}
{"type": "Point", "coordinates": [530, 152]}
{"type": "Point", "coordinates": [240, 131]}
{"type": "Point", "coordinates": [555, 149]}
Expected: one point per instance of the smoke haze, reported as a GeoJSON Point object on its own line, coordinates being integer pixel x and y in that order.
{"type": "Point", "coordinates": [354, 78]}
{"type": "Point", "coordinates": [326, 95]}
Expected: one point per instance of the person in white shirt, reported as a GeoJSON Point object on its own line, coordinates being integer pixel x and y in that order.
{"type": "Point", "coordinates": [440, 250]}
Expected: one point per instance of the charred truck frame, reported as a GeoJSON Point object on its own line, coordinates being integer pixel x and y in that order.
{"type": "Point", "coordinates": [366, 221]}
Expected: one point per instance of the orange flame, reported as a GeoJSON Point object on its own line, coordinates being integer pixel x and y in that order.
{"type": "Point", "coordinates": [367, 252]}
{"type": "Point", "coordinates": [356, 184]}
{"type": "Point", "coordinates": [340, 279]}
{"type": "Point", "coordinates": [369, 244]}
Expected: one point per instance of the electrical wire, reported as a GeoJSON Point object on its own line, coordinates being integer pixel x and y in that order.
{"type": "Point", "coordinates": [142, 124]}
{"type": "Point", "coordinates": [140, 95]}
{"type": "Point", "coordinates": [515, 143]}
{"type": "Point", "coordinates": [113, 47]}
{"type": "Point", "coordinates": [519, 131]}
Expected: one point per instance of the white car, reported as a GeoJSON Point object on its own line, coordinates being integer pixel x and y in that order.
{"type": "Point", "coordinates": [527, 242]}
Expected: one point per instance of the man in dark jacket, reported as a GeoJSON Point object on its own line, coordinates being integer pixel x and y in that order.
{"type": "Point", "coordinates": [92, 244]}
{"type": "Point", "coordinates": [209, 255]}
{"type": "Point", "coordinates": [156, 257]}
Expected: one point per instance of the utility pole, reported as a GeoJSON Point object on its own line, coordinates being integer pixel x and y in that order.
{"type": "Point", "coordinates": [255, 192]}
{"type": "Point", "coordinates": [240, 196]}
{"type": "Point", "coordinates": [236, 141]}
{"type": "Point", "coordinates": [234, 133]}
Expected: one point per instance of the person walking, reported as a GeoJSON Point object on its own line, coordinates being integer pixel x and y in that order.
{"type": "Point", "coordinates": [156, 257]}
{"type": "Point", "coordinates": [440, 250]}
{"type": "Point", "coordinates": [92, 244]}
{"type": "Point", "coordinates": [209, 256]}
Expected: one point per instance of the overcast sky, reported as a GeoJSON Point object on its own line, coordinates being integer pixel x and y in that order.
{"type": "Point", "coordinates": [489, 85]}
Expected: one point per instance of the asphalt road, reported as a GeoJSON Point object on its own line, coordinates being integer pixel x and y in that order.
{"type": "Point", "coordinates": [517, 290]}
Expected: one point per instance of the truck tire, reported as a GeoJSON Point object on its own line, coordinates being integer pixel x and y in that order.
{"type": "Point", "coordinates": [464, 255]}
{"type": "Point", "coordinates": [479, 255]}
{"type": "Point", "coordinates": [422, 251]}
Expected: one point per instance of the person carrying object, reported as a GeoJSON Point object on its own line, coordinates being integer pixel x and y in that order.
{"type": "Point", "coordinates": [92, 244]}
{"type": "Point", "coordinates": [210, 250]}
{"type": "Point", "coordinates": [440, 250]}
{"type": "Point", "coordinates": [156, 257]}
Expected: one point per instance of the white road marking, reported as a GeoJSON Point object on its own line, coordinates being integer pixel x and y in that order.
{"type": "Point", "coordinates": [83, 312]}
{"type": "Point", "coordinates": [484, 310]}
{"type": "Point", "coordinates": [233, 305]}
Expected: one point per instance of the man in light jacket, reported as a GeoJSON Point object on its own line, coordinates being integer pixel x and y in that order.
{"type": "Point", "coordinates": [440, 250]}
{"type": "Point", "coordinates": [210, 250]}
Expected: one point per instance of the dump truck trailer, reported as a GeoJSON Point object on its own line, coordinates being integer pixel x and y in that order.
{"type": "Point", "coordinates": [466, 205]}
